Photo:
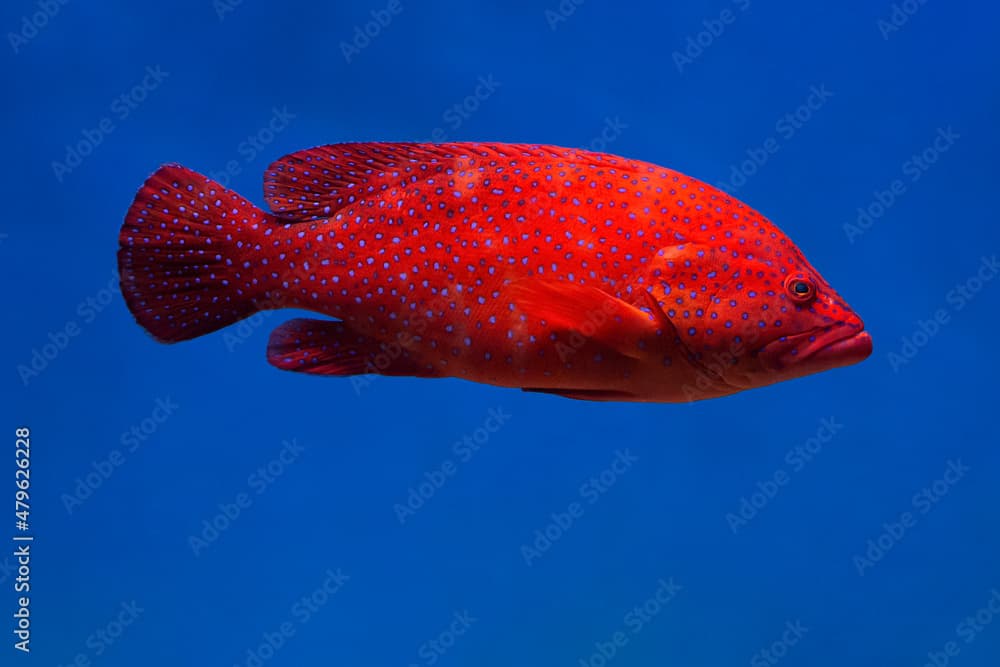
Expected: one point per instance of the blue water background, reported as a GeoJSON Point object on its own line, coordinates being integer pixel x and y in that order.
{"type": "Point", "coordinates": [900, 422]}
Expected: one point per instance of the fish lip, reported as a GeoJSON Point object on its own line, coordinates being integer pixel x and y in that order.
{"type": "Point", "coordinates": [842, 345]}
{"type": "Point", "coordinates": [849, 350]}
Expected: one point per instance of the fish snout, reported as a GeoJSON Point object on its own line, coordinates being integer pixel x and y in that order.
{"type": "Point", "coordinates": [841, 344]}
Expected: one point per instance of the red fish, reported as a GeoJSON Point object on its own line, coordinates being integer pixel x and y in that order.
{"type": "Point", "coordinates": [551, 269]}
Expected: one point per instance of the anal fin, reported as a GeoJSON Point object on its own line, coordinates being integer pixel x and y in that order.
{"type": "Point", "coordinates": [325, 347]}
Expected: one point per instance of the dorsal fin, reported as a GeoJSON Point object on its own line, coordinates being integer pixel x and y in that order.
{"type": "Point", "coordinates": [317, 182]}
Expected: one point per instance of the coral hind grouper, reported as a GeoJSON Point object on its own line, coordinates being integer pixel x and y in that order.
{"type": "Point", "coordinates": [551, 269]}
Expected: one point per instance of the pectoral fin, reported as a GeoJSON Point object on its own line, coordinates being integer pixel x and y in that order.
{"type": "Point", "coordinates": [594, 314]}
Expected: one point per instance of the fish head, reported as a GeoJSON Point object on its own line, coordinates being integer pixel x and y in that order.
{"type": "Point", "coordinates": [755, 313]}
{"type": "Point", "coordinates": [815, 330]}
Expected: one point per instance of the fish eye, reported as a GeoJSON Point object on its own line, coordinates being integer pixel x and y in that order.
{"type": "Point", "coordinates": [800, 290]}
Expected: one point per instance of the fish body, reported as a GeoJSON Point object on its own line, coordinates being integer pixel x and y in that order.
{"type": "Point", "coordinates": [550, 269]}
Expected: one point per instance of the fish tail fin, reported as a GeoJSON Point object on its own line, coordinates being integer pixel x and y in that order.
{"type": "Point", "coordinates": [184, 257]}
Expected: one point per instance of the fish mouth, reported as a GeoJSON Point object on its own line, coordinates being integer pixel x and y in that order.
{"type": "Point", "coordinates": [817, 350]}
